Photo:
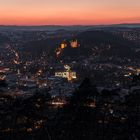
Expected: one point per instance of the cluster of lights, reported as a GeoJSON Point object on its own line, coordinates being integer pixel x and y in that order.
{"type": "Point", "coordinates": [73, 44]}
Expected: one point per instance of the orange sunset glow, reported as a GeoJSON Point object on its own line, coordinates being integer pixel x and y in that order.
{"type": "Point", "coordinates": [69, 12]}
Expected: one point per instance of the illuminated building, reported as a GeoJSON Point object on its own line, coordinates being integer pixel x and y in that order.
{"type": "Point", "coordinates": [2, 74]}
{"type": "Point", "coordinates": [2, 77]}
{"type": "Point", "coordinates": [57, 102]}
{"type": "Point", "coordinates": [138, 70]}
{"type": "Point", "coordinates": [74, 44]}
{"type": "Point", "coordinates": [63, 45]}
{"type": "Point", "coordinates": [70, 75]}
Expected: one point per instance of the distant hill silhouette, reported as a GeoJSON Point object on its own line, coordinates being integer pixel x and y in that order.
{"type": "Point", "coordinates": [100, 42]}
{"type": "Point", "coordinates": [106, 43]}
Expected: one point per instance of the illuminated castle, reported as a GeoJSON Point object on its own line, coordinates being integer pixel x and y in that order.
{"type": "Point", "coordinates": [63, 45]}
{"type": "Point", "coordinates": [74, 44]}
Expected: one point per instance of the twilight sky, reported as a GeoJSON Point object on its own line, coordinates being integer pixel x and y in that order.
{"type": "Point", "coordinates": [68, 12]}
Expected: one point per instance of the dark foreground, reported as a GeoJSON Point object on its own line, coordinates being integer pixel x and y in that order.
{"type": "Point", "coordinates": [87, 115]}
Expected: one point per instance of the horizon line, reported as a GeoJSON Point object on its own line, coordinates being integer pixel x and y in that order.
{"type": "Point", "coordinates": [18, 25]}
